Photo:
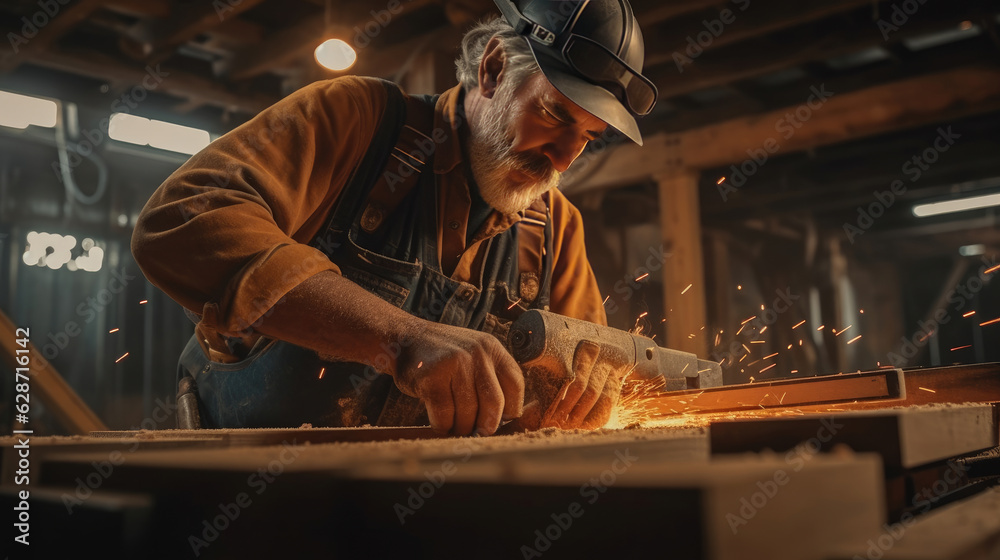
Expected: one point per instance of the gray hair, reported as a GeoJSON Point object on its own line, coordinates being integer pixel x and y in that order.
{"type": "Point", "coordinates": [519, 64]}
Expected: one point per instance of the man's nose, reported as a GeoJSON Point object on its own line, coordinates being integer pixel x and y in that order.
{"type": "Point", "coordinates": [564, 152]}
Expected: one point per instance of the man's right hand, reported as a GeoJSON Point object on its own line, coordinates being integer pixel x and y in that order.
{"type": "Point", "coordinates": [466, 378]}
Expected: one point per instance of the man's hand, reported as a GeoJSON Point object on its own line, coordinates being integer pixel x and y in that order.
{"type": "Point", "coordinates": [466, 378]}
{"type": "Point", "coordinates": [588, 399]}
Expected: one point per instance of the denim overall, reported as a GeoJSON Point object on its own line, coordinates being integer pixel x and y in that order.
{"type": "Point", "coordinates": [281, 385]}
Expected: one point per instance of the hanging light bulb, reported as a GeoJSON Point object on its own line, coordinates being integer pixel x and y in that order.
{"type": "Point", "coordinates": [335, 55]}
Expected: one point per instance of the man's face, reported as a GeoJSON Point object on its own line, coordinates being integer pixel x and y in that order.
{"type": "Point", "coordinates": [524, 138]}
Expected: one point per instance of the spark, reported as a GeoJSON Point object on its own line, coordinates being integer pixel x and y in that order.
{"type": "Point", "coordinates": [745, 347]}
{"type": "Point", "coordinates": [752, 363]}
{"type": "Point", "coordinates": [517, 302]}
{"type": "Point", "coordinates": [782, 399]}
{"type": "Point", "coordinates": [771, 356]}
{"type": "Point", "coordinates": [643, 314]}
{"type": "Point", "coordinates": [748, 320]}
{"type": "Point", "coordinates": [685, 367]}
{"type": "Point", "coordinates": [739, 287]}
{"type": "Point", "coordinates": [861, 311]}
{"type": "Point", "coordinates": [321, 372]}
{"type": "Point", "coordinates": [751, 379]}
{"type": "Point", "coordinates": [721, 179]}
{"type": "Point", "coordinates": [741, 330]}
{"type": "Point", "coordinates": [744, 357]}
{"type": "Point", "coordinates": [853, 339]}
{"type": "Point", "coordinates": [606, 299]}
{"type": "Point", "coordinates": [143, 302]}
{"type": "Point", "coordinates": [994, 269]}
{"type": "Point", "coordinates": [800, 342]}
{"type": "Point", "coordinates": [799, 324]}
{"type": "Point", "coordinates": [789, 347]}
{"type": "Point", "coordinates": [767, 368]}
{"type": "Point", "coordinates": [718, 337]}
{"type": "Point", "coordinates": [793, 371]}
{"type": "Point", "coordinates": [122, 358]}
{"type": "Point", "coordinates": [843, 330]}
{"type": "Point", "coordinates": [114, 330]}
{"type": "Point", "coordinates": [764, 328]}
{"type": "Point", "coordinates": [990, 322]}
{"type": "Point", "coordinates": [762, 307]}
{"type": "Point", "coordinates": [366, 260]}
{"type": "Point", "coordinates": [641, 277]}
{"type": "Point", "coordinates": [684, 291]}
{"type": "Point", "coordinates": [420, 365]}
{"type": "Point", "coordinates": [820, 327]}
{"type": "Point", "coordinates": [969, 314]}
{"type": "Point", "coordinates": [758, 341]}
{"type": "Point", "coordinates": [961, 347]}
{"type": "Point", "coordinates": [926, 389]}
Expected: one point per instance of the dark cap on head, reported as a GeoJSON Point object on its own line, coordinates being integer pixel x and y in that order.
{"type": "Point", "coordinates": [592, 52]}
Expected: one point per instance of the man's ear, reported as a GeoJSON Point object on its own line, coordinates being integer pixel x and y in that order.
{"type": "Point", "coordinates": [491, 67]}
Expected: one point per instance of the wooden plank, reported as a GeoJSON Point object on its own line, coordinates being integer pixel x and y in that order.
{"type": "Point", "coordinates": [684, 273]}
{"type": "Point", "coordinates": [905, 437]}
{"type": "Point", "coordinates": [274, 436]}
{"type": "Point", "coordinates": [967, 530]}
{"type": "Point", "coordinates": [944, 96]}
{"type": "Point", "coordinates": [60, 399]}
{"type": "Point", "coordinates": [57, 25]}
{"type": "Point", "coordinates": [161, 37]}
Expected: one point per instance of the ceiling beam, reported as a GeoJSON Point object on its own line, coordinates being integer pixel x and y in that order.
{"type": "Point", "coordinates": [822, 40]}
{"type": "Point", "coordinates": [174, 82]}
{"type": "Point", "coordinates": [160, 37]}
{"type": "Point", "coordinates": [839, 118]}
{"type": "Point", "coordinates": [301, 39]}
{"type": "Point", "coordinates": [48, 33]}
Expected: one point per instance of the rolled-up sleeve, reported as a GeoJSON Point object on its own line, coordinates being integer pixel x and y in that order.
{"type": "Point", "coordinates": [574, 287]}
{"type": "Point", "coordinates": [227, 234]}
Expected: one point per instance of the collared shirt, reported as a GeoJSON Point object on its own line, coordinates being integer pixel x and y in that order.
{"type": "Point", "coordinates": [227, 235]}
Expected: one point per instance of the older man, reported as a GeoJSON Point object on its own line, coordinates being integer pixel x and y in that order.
{"type": "Point", "coordinates": [354, 256]}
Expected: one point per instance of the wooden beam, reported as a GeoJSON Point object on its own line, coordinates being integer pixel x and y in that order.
{"type": "Point", "coordinates": [58, 25]}
{"type": "Point", "coordinates": [301, 39]}
{"type": "Point", "coordinates": [825, 39]}
{"type": "Point", "coordinates": [174, 82]}
{"type": "Point", "coordinates": [842, 117]}
{"type": "Point", "coordinates": [684, 274]}
{"type": "Point", "coordinates": [140, 8]}
{"type": "Point", "coordinates": [161, 37]}
{"type": "Point", "coordinates": [660, 11]}
{"type": "Point", "coordinates": [59, 398]}
{"type": "Point", "coordinates": [756, 21]}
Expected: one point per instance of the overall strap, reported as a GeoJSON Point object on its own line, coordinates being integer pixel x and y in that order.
{"type": "Point", "coordinates": [534, 259]}
{"type": "Point", "coordinates": [413, 152]}
{"type": "Point", "coordinates": [367, 171]}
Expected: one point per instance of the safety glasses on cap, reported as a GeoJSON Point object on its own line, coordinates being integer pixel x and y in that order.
{"type": "Point", "coordinates": [588, 58]}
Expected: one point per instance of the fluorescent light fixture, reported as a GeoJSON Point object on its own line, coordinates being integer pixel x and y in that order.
{"type": "Point", "coordinates": [158, 134]}
{"type": "Point", "coordinates": [335, 55]}
{"type": "Point", "coordinates": [960, 205]}
{"type": "Point", "coordinates": [972, 250]}
{"type": "Point", "coordinates": [19, 111]}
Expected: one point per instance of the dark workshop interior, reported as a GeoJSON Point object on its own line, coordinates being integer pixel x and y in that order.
{"type": "Point", "coordinates": [813, 215]}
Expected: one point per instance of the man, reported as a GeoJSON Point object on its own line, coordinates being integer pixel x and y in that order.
{"type": "Point", "coordinates": [332, 292]}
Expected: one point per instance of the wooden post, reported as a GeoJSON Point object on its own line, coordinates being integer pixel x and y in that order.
{"type": "Point", "coordinates": [680, 226]}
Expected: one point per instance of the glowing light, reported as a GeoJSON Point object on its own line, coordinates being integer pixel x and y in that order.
{"type": "Point", "coordinates": [799, 324]}
{"type": "Point", "coordinates": [961, 347]}
{"type": "Point", "coordinates": [20, 111]}
{"type": "Point", "coordinates": [990, 322]}
{"type": "Point", "coordinates": [843, 330]}
{"type": "Point", "coordinates": [767, 368]}
{"type": "Point", "coordinates": [684, 291]}
{"type": "Point", "coordinates": [769, 356]}
{"type": "Point", "coordinates": [157, 134]}
{"type": "Point", "coordinates": [53, 251]}
{"type": "Point", "coordinates": [994, 269]}
{"type": "Point", "coordinates": [606, 298]}
{"type": "Point", "coordinates": [114, 330]}
{"type": "Point", "coordinates": [926, 389]}
{"type": "Point", "coordinates": [321, 372]}
{"type": "Point", "coordinates": [515, 303]}
{"type": "Point", "coordinates": [972, 250]}
{"type": "Point", "coordinates": [122, 358]}
{"type": "Point", "coordinates": [960, 205]}
{"type": "Point", "coordinates": [641, 277]}
{"type": "Point", "coordinates": [969, 314]}
{"type": "Point", "coordinates": [721, 179]}
{"type": "Point", "coordinates": [748, 320]}
{"type": "Point", "coordinates": [853, 339]}
{"type": "Point", "coordinates": [335, 55]}
{"type": "Point", "coordinates": [739, 287]}
{"type": "Point", "coordinates": [819, 328]}
{"type": "Point", "coordinates": [143, 302]}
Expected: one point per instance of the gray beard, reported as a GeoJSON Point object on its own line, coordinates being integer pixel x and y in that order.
{"type": "Point", "coordinates": [493, 160]}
